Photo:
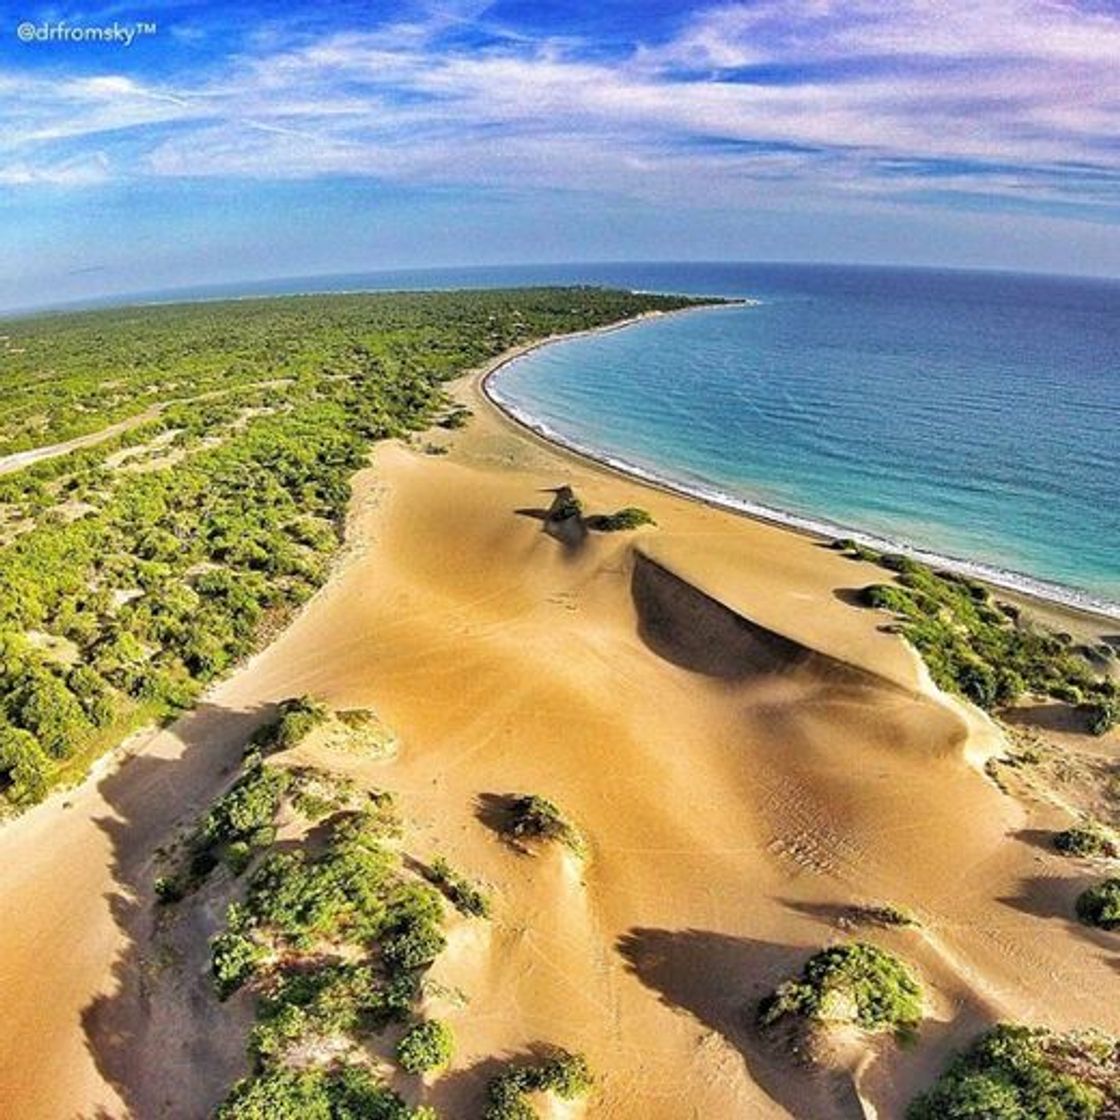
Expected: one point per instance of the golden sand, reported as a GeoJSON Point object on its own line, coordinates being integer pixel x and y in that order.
{"type": "Point", "coordinates": [747, 753]}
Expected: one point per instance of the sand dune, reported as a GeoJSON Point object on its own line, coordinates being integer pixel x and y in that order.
{"type": "Point", "coordinates": [747, 754]}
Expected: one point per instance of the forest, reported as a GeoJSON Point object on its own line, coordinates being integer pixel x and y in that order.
{"type": "Point", "coordinates": [138, 567]}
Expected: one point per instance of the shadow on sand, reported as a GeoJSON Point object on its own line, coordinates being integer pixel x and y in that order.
{"type": "Point", "coordinates": [561, 520]}
{"type": "Point", "coordinates": [719, 980]}
{"type": "Point", "coordinates": [158, 1037]}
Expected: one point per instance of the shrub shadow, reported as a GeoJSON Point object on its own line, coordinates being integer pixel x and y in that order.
{"type": "Point", "coordinates": [1055, 900]}
{"type": "Point", "coordinates": [571, 530]}
{"type": "Point", "coordinates": [158, 1036]}
{"type": "Point", "coordinates": [719, 981]}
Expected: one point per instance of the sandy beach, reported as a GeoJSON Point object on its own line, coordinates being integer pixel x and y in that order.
{"type": "Point", "coordinates": [748, 754]}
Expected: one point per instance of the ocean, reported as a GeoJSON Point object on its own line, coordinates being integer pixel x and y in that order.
{"type": "Point", "coordinates": [968, 417]}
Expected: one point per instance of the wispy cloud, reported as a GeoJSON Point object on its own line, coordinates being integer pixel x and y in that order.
{"type": "Point", "coordinates": [780, 101]}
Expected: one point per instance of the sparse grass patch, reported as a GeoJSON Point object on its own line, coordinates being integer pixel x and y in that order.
{"type": "Point", "coordinates": [858, 983]}
{"type": "Point", "coordinates": [1026, 1073]}
{"type": "Point", "coordinates": [316, 794]}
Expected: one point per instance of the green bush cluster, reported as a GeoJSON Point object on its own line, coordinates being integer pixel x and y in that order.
{"type": "Point", "coordinates": [315, 794]}
{"type": "Point", "coordinates": [1103, 714]}
{"type": "Point", "coordinates": [460, 891]}
{"type": "Point", "coordinates": [566, 1075]}
{"type": "Point", "coordinates": [456, 418]}
{"type": "Point", "coordinates": [351, 891]}
{"type": "Point", "coordinates": [532, 817]}
{"type": "Point", "coordinates": [857, 983]}
{"type": "Point", "coordinates": [298, 717]}
{"type": "Point", "coordinates": [620, 521]}
{"type": "Point", "coordinates": [1025, 1073]}
{"type": "Point", "coordinates": [1090, 839]}
{"type": "Point", "coordinates": [162, 578]}
{"type": "Point", "coordinates": [979, 649]}
{"type": "Point", "coordinates": [334, 1000]}
{"type": "Point", "coordinates": [344, 1093]}
{"type": "Point", "coordinates": [336, 942]}
{"type": "Point", "coordinates": [425, 1046]}
{"type": "Point", "coordinates": [1099, 905]}
{"type": "Point", "coordinates": [238, 824]}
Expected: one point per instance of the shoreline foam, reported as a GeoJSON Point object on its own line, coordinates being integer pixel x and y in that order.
{"type": "Point", "coordinates": [1019, 583]}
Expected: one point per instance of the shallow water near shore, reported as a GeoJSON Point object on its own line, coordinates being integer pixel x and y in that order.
{"type": "Point", "coordinates": [964, 416]}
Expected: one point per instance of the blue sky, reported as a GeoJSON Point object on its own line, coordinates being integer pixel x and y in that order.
{"type": "Point", "coordinates": [251, 140]}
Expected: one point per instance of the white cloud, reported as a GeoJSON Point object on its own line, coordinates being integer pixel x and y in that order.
{"type": "Point", "coordinates": [875, 100]}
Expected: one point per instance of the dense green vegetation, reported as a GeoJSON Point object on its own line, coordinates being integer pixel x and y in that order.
{"type": "Point", "coordinates": [1088, 840]}
{"type": "Point", "coordinates": [163, 555]}
{"type": "Point", "coordinates": [425, 1046]}
{"type": "Point", "coordinates": [536, 818]}
{"type": "Point", "coordinates": [341, 1093]}
{"type": "Point", "coordinates": [980, 648]}
{"type": "Point", "coordinates": [631, 517]}
{"type": "Point", "coordinates": [566, 1075]}
{"type": "Point", "coordinates": [1024, 1073]}
{"type": "Point", "coordinates": [336, 940]}
{"type": "Point", "coordinates": [1099, 905]}
{"type": "Point", "coordinates": [857, 983]}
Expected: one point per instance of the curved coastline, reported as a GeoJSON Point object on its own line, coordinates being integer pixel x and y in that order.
{"type": "Point", "coordinates": [818, 528]}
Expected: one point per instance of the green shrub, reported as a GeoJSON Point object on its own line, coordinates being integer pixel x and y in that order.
{"type": "Point", "coordinates": [248, 807]}
{"type": "Point", "coordinates": [1088, 840]}
{"type": "Point", "coordinates": [413, 945]}
{"type": "Point", "coordinates": [456, 418]}
{"type": "Point", "coordinates": [536, 818]}
{"type": "Point", "coordinates": [1100, 905]}
{"type": "Point", "coordinates": [857, 983]}
{"type": "Point", "coordinates": [1023, 1073]}
{"type": "Point", "coordinates": [25, 769]}
{"type": "Point", "coordinates": [234, 959]}
{"type": "Point", "coordinates": [425, 1046]}
{"type": "Point", "coordinates": [298, 717]}
{"type": "Point", "coordinates": [1104, 715]}
{"type": "Point", "coordinates": [886, 915]}
{"type": "Point", "coordinates": [565, 508]}
{"type": "Point", "coordinates": [347, 1093]}
{"type": "Point", "coordinates": [330, 1001]}
{"type": "Point", "coordinates": [631, 517]}
{"type": "Point", "coordinates": [460, 891]}
{"type": "Point", "coordinates": [565, 1074]}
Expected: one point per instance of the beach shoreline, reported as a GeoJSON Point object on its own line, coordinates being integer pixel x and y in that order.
{"type": "Point", "coordinates": [1051, 601]}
